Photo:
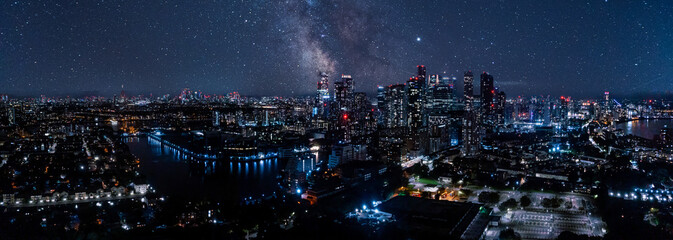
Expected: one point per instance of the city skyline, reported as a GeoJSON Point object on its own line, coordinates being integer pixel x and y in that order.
{"type": "Point", "coordinates": [577, 48]}
{"type": "Point", "coordinates": [344, 119]}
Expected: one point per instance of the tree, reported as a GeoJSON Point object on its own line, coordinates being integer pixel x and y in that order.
{"type": "Point", "coordinates": [510, 203]}
{"type": "Point", "coordinates": [552, 203]}
{"type": "Point", "coordinates": [525, 201]}
{"type": "Point", "coordinates": [489, 197]}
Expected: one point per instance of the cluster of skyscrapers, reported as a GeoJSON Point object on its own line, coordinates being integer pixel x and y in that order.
{"type": "Point", "coordinates": [346, 116]}
{"type": "Point", "coordinates": [484, 113]}
{"type": "Point", "coordinates": [421, 116]}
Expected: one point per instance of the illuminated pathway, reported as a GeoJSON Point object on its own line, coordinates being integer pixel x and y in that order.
{"type": "Point", "coordinates": [66, 202]}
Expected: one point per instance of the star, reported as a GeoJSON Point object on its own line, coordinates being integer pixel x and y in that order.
{"type": "Point", "coordinates": [277, 48]}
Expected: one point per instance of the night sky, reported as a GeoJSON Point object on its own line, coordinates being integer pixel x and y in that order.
{"type": "Point", "coordinates": [578, 48]}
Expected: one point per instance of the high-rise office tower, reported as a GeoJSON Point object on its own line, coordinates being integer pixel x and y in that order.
{"type": "Point", "coordinates": [323, 88]}
{"type": "Point", "coordinates": [415, 103]}
{"type": "Point", "coordinates": [396, 105]}
{"type": "Point", "coordinates": [468, 90]}
{"type": "Point", "coordinates": [487, 93]}
{"type": "Point", "coordinates": [488, 103]}
{"type": "Point", "coordinates": [501, 101]}
{"type": "Point", "coordinates": [122, 95]}
{"type": "Point", "coordinates": [471, 137]}
{"type": "Point", "coordinates": [439, 95]}
{"type": "Point", "coordinates": [364, 124]}
{"type": "Point", "coordinates": [340, 95]}
{"type": "Point", "coordinates": [343, 92]}
{"type": "Point", "coordinates": [345, 126]}
{"type": "Point", "coordinates": [360, 103]}
{"type": "Point", "coordinates": [322, 96]}
{"type": "Point", "coordinates": [435, 80]}
{"type": "Point", "coordinates": [546, 111]}
{"type": "Point", "coordinates": [451, 81]}
{"type": "Point", "coordinates": [348, 83]}
{"type": "Point", "coordinates": [422, 75]}
{"type": "Point", "coordinates": [564, 108]}
{"type": "Point", "coordinates": [438, 110]}
{"type": "Point", "coordinates": [607, 106]}
{"type": "Point", "coordinates": [381, 104]}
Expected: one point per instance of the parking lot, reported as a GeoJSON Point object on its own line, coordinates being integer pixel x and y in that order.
{"type": "Point", "coordinates": [538, 222]}
{"type": "Point", "coordinates": [548, 224]}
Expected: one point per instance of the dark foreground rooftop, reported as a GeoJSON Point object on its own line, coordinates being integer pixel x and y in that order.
{"type": "Point", "coordinates": [427, 217]}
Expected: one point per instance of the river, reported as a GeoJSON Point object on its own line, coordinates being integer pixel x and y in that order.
{"type": "Point", "coordinates": [172, 174]}
{"type": "Point", "coordinates": [645, 128]}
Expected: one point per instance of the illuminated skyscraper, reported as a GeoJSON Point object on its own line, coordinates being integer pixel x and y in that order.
{"type": "Point", "coordinates": [468, 90]}
{"type": "Point", "coordinates": [564, 108]}
{"type": "Point", "coordinates": [439, 95]}
{"type": "Point", "coordinates": [343, 92]}
{"type": "Point", "coordinates": [396, 103]}
{"type": "Point", "coordinates": [416, 100]}
{"type": "Point", "coordinates": [607, 105]}
{"type": "Point", "coordinates": [422, 75]}
{"type": "Point", "coordinates": [122, 95]}
{"type": "Point", "coordinates": [487, 93]}
{"type": "Point", "coordinates": [501, 101]}
{"type": "Point", "coordinates": [471, 139]}
{"type": "Point", "coordinates": [322, 96]}
{"type": "Point", "coordinates": [415, 103]}
{"type": "Point", "coordinates": [416, 109]}
{"type": "Point", "coordinates": [488, 99]}
{"type": "Point", "coordinates": [440, 120]}
{"type": "Point", "coordinates": [451, 81]}
{"type": "Point", "coordinates": [435, 80]}
{"type": "Point", "coordinates": [323, 88]}
{"type": "Point", "coordinates": [365, 123]}
{"type": "Point", "coordinates": [348, 83]}
{"type": "Point", "coordinates": [381, 104]}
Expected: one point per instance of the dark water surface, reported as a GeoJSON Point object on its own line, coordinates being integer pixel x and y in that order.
{"type": "Point", "coordinates": [645, 128]}
{"type": "Point", "coordinates": [174, 174]}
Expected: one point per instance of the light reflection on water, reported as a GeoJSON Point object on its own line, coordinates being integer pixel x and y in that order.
{"type": "Point", "coordinates": [177, 174]}
{"type": "Point", "coordinates": [645, 128]}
